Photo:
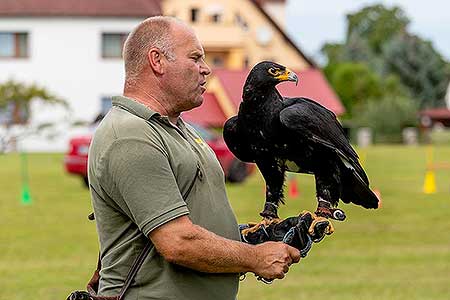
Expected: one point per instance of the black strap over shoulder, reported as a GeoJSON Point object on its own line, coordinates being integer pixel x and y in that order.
{"type": "Point", "coordinates": [135, 268]}
{"type": "Point", "coordinates": [92, 286]}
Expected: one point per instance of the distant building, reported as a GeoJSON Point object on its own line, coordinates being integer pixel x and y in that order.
{"type": "Point", "coordinates": [447, 97]}
{"type": "Point", "coordinates": [73, 48]}
{"type": "Point", "coordinates": [237, 34]}
{"type": "Point", "coordinates": [434, 117]}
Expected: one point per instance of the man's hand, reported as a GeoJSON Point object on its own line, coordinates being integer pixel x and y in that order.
{"type": "Point", "coordinates": [274, 259]}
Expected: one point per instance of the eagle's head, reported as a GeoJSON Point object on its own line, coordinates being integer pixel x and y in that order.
{"type": "Point", "coordinates": [267, 73]}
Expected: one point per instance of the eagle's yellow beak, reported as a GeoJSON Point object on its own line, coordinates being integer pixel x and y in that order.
{"type": "Point", "coordinates": [288, 75]}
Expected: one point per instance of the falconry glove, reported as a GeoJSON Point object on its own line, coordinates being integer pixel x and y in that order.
{"type": "Point", "coordinates": [294, 231]}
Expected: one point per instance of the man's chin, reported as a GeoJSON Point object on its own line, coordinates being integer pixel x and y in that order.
{"type": "Point", "coordinates": [195, 103]}
{"type": "Point", "coordinates": [199, 101]}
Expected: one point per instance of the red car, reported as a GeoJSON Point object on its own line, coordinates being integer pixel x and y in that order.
{"type": "Point", "coordinates": [76, 158]}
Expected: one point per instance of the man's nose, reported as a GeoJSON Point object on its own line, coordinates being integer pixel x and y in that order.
{"type": "Point", "coordinates": [205, 69]}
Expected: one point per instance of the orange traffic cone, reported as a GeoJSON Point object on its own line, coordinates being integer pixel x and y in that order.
{"type": "Point", "coordinates": [293, 190]}
{"type": "Point", "coordinates": [378, 194]}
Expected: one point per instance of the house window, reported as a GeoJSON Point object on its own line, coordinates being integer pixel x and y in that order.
{"type": "Point", "coordinates": [239, 20]}
{"type": "Point", "coordinates": [216, 18]}
{"type": "Point", "coordinates": [6, 114]}
{"type": "Point", "coordinates": [218, 61]}
{"type": "Point", "coordinates": [14, 113]}
{"type": "Point", "coordinates": [246, 62]}
{"type": "Point", "coordinates": [105, 105]}
{"type": "Point", "coordinates": [112, 44]}
{"type": "Point", "coordinates": [194, 15]}
{"type": "Point", "coordinates": [13, 44]}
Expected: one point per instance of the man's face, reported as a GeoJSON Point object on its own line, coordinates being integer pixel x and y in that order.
{"type": "Point", "coordinates": [185, 77]}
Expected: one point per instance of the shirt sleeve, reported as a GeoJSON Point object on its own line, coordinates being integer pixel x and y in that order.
{"type": "Point", "coordinates": [146, 189]}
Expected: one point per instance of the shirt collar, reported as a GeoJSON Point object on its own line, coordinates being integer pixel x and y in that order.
{"type": "Point", "coordinates": [134, 107]}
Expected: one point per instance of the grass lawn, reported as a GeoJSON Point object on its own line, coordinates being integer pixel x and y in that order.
{"type": "Point", "coordinates": [401, 251]}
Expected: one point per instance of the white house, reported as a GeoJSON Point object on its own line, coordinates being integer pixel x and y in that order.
{"type": "Point", "coordinates": [73, 49]}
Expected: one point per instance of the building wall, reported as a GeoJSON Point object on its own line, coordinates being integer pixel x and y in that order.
{"type": "Point", "coordinates": [260, 41]}
{"type": "Point", "coordinates": [277, 10]}
{"type": "Point", "coordinates": [65, 57]}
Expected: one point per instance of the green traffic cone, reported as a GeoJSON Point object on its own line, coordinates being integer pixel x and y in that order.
{"type": "Point", "coordinates": [26, 196]}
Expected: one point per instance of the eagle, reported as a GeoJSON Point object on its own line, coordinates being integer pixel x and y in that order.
{"type": "Point", "coordinates": [298, 135]}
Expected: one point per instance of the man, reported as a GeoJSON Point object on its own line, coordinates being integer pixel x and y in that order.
{"type": "Point", "coordinates": [152, 177]}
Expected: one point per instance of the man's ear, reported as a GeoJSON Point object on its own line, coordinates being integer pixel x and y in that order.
{"type": "Point", "coordinates": [155, 60]}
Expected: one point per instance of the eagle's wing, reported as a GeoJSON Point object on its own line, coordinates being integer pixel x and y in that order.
{"type": "Point", "coordinates": [318, 124]}
{"type": "Point", "coordinates": [234, 140]}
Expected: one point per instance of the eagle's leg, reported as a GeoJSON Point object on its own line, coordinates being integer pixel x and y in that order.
{"type": "Point", "coordinates": [325, 209]}
{"type": "Point", "coordinates": [328, 189]}
{"type": "Point", "coordinates": [273, 173]}
{"type": "Point", "coordinates": [328, 193]}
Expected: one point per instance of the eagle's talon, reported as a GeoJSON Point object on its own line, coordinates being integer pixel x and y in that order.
{"type": "Point", "coordinates": [254, 227]}
{"type": "Point", "coordinates": [270, 211]}
{"type": "Point", "coordinates": [268, 221]}
{"type": "Point", "coordinates": [267, 214]}
{"type": "Point", "coordinates": [309, 213]}
{"type": "Point", "coordinates": [320, 227]}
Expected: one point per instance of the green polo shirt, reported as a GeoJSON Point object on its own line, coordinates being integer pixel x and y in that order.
{"type": "Point", "coordinates": [140, 167]}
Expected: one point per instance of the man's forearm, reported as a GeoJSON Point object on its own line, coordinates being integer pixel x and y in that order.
{"type": "Point", "coordinates": [184, 243]}
{"type": "Point", "coordinates": [205, 251]}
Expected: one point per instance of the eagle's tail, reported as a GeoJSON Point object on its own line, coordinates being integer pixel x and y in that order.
{"type": "Point", "coordinates": [357, 191]}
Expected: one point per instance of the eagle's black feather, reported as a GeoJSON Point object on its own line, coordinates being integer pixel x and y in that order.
{"type": "Point", "coordinates": [294, 134]}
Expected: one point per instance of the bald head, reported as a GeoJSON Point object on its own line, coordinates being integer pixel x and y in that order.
{"type": "Point", "coordinates": [165, 66]}
{"type": "Point", "coordinates": [154, 32]}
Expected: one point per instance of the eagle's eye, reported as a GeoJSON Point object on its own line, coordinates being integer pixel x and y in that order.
{"type": "Point", "coordinates": [273, 71]}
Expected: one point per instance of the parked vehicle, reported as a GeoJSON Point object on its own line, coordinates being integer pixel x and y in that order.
{"type": "Point", "coordinates": [75, 160]}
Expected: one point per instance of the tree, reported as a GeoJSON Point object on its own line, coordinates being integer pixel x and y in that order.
{"type": "Point", "coordinates": [354, 83]}
{"type": "Point", "coordinates": [376, 24]}
{"type": "Point", "coordinates": [379, 38]}
{"type": "Point", "coordinates": [421, 68]}
{"type": "Point", "coordinates": [15, 100]}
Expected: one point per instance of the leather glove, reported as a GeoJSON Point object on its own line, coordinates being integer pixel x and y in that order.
{"type": "Point", "coordinates": [294, 231]}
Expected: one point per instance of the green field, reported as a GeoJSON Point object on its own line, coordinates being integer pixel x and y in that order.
{"type": "Point", "coordinates": [401, 251]}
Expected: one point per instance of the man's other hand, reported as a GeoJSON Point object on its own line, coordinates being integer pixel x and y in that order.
{"type": "Point", "coordinates": [274, 259]}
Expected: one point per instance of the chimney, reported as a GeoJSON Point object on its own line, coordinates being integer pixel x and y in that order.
{"type": "Point", "coordinates": [276, 9]}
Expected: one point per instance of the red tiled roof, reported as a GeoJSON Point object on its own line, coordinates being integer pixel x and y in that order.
{"type": "Point", "coordinates": [312, 84]}
{"type": "Point", "coordinates": [436, 113]}
{"type": "Point", "coordinates": [208, 114]}
{"type": "Point", "coordinates": [102, 8]}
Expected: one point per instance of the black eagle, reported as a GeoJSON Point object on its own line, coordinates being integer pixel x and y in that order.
{"type": "Point", "coordinates": [299, 135]}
